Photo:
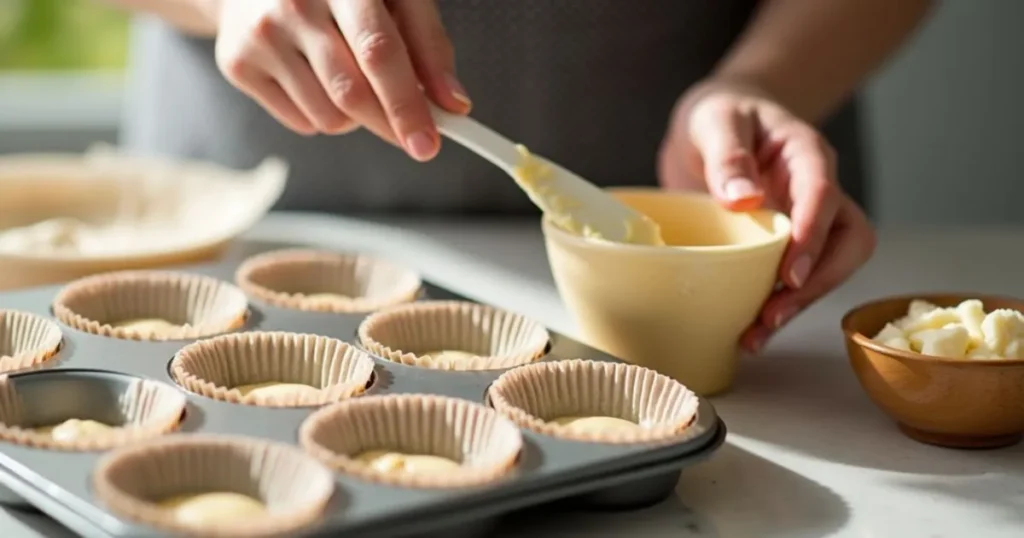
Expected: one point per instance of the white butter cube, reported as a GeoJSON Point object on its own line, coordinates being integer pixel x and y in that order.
{"type": "Point", "coordinates": [1000, 327]}
{"type": "Point", "coordinates": [889, 332]}
{"type": "Point", "coordinates": [935, 319]}
{"type": "Point", "coordinates": [898, 342]}
{"type": "Point", "coordinates": [1014, 350]}
{"type": "Point", "coordinates": [919, 308]}
{"type": "Point", "coordinates": [982, 352]}
{"type": "Point", "coordinates": [972, 314]}
{"type": "Point", "coordinates": [951, 343]}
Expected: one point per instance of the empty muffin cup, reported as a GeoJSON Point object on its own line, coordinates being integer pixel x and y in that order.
{"type": "Point", "coordinates": [151, 305]}
{"type": "Point", "coordinates": [453, 335]}
{"type": "Point", "coordinates": [273, 369]}
{"type": "Point", "coordinates": [413, 440]}
{"type": "Point", "coordinates": [323, 281]}
{"type": "Point", "coordinates": [26, 340]}
{"type": "Point", "coordinates": [85, 410]}
{"type": "Point", "coordinates": [210, 485]}
{"type": "Point", "coordinates": [595, 401]}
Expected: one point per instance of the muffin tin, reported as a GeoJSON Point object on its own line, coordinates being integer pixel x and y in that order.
{"type": "Point", "coordinates": [594, 475]}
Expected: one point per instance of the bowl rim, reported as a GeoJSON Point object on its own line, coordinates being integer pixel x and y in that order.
{"type": "Point", "coordinates": [782, 236]}
{"type": "Point", "coordinates": [863, 340]}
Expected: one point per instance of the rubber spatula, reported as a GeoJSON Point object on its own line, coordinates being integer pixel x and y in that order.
{"type": "Point", "coordinates": [570, 201]}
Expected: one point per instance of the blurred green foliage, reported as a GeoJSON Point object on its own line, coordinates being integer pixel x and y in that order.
{"type": "Point", "coordinates": [62, 35]}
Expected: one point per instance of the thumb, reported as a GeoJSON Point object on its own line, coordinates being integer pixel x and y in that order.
{"type": "Point", "coordinates": [725, 139]}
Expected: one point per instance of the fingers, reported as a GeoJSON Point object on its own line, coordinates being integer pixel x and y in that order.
{"type": "Point", "coordinates": [260, 58]}
{"type": "Point", "coordinates": [850, 244]}
{"type": "Point", "coordinates": [338, 73]}
{"type": "Point", "coordinates": [724, 135]}
{"type": "Point", "coordinates": [808, 162]}
{"type": "Point", "coordinates": [431, 51]}
{"type": "Point", "coordinates": [381, 54]}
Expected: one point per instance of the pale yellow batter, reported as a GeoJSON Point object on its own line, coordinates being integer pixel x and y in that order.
{"type": "Point", "coordinates": [597, 424]}
{"type": "Point", "coordinates": [450, 355]}
{"type": "Point", "coordinates": [277, 390]}
{"type": "Point", "coordinates": [213, 507]}
{"type": "Point", "coordinates": [75, 429]}
{"type": "Point", "coordinates": [388, 462]}
{"type": "Point", "coordinates": [146, 325]}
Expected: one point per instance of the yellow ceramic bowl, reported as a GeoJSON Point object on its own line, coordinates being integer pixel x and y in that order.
{"type": "Point", "coordinates": [955, 403]}
{"type": "Point", "coordinates": [679, 309]}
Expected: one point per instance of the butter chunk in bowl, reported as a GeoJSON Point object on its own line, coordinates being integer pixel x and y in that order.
{"type": "Point", "coordinates": [964, 331]}
{"type": "Point", "coordinates": [948, 368]}
{"type": "Point", "coordinates": [65, 216]}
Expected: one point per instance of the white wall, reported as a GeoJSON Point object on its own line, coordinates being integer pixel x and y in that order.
{"type": "Point", "coordinates": [947, 120]}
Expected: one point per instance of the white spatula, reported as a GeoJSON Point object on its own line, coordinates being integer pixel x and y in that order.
{"type": "Point", "coordinates": [570, 201]}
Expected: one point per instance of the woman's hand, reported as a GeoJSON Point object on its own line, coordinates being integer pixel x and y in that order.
{"type": "Point", "coordinates": [748, 151]}
{"type": "Point", "coordinates": [331, 66]}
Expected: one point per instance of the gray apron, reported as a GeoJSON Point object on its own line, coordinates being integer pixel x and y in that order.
{"type": "Point", "coordinates": [588, 83]}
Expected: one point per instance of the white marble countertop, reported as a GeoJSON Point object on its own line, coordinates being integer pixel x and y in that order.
{"type": "Point", "coordinates": [807, 453]}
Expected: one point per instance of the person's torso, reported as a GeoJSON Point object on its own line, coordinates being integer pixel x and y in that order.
{"type": "Point", "coordinates": [588, 83]}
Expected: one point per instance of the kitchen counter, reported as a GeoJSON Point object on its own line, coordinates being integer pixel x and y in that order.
{"type": "Point", "coordinates": [807, 454]}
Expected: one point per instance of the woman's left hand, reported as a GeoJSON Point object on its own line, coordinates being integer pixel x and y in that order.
{"type": "Point", "coordinates": [748, 151]}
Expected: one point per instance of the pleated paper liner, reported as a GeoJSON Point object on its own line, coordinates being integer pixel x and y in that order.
{"type": "Point", "coordinates": [534, 395]}
{"type": "Point", "coordinates": [26, 340]}
{"type": "Point", "coordinates": [293, 488]}
{"type": "Point", "coordinates": [216, 366]}
{"type": "Point", "coordinates": [141, 409]}
{"type": "Point", "coordinates": [194, 306]}
{"type": "Point", "coordinates": [485, 444]}
{"type": "Point", "coordinates": [415, 333]}
{"type": "Point", "coordinates": [323, 281]}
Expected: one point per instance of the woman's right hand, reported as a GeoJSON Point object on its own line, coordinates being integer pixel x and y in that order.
{"type": "Point", "coordinates": [331, 66]}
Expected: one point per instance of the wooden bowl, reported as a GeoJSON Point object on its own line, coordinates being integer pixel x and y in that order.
{"type": "Point", "coordinates": [956, 403]}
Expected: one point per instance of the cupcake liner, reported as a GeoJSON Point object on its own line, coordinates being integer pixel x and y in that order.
{"type": "Point", "coordinates": [497, 338]}
{"type": "Point", "coordinates": [294, 488]}
{"type": "Point", "coordinates": [298, 278]}
{"type": "Point", "coordinates": [144, 409]}
{"type": "Point", "coordinates": [215, 367]}
{"type": "Point", "coordinates": [26, 340]}
{"type": "Point", "coordinates": [486, 444]}
{"type": "Point", "coordinates": [203, 306]}
{"type": "Point", "coordinates": [532, 395]}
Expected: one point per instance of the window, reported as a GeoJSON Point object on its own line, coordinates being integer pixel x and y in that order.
{"type": "Point", "coordinates": [61, 35]}
{"type": "Point", "coordinates": [61, 73]}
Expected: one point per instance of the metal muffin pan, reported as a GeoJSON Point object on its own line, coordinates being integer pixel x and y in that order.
{"type": "Point", "coordinates": [586, 474]}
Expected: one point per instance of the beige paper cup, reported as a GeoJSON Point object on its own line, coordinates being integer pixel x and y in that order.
{"type": "Point", "coordinates": [215, 367]}
{"type": "Point", "coordinates": [200, 306]}
{"type": "Point", "coordinates": [680, 309]}
{"type": "Point", "coordinates": [486, 444]}
{"type": "Point", "coordinates": [294, 487]}
{"type": "Point", "coordinates": [412, 334]}
{"type": "Point", "coordinates": [532, 395]}
{"type": "Point", "coordinates": [26, 340]}
{"type": "Point", "coordinates": [300, 279]}
{"type": "Point", "coordinates": [138, 409]}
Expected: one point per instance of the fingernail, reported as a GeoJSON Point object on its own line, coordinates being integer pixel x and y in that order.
{"type": "Point", "coordinates": [420, 145]}
{"type": "Point", "coordinates": [457, 90]}
{"type": "Point", "coordinates": [758, 341]}
{"type": "Point", "coordinates": [785, 315]}
{"type": "Point", "coordinates": [800, 270]}
{"type": "Point", "coordinates": [740, 189]}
